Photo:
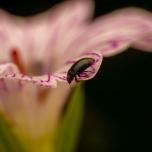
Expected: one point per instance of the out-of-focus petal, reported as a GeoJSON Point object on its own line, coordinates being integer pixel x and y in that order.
{"type": "Point", "coordinates": [144, 42]}
{"type": "Point", "coordinates": [55, 29]}
{"type": "Point", "coordinates": [27, 101]}
{"type": "Point", "coordinates": [12, 35]}
{"type": "Point", "coordinates": [116, 31]}
{"type": "Point", "coordinates": [43, 38]}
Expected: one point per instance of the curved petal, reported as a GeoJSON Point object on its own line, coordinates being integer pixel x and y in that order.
{"type": "Point", "coordinates": [88, 73]}
{"type": "Point", "coordinates": [9, 71]}
{"type": "Point", "coordinates": [116, 31]}
{"type": "Point", "coordinates": [144, 42]}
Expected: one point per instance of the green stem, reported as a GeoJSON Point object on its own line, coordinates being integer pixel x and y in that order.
{"type": "Point", "coordinates": [39, 146]}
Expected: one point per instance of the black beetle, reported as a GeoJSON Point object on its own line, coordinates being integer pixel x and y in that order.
{"type": "Point", "coordinates": [78, 67]}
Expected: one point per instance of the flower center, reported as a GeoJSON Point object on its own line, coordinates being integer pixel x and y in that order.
{"type": "Point", "coordinates": [33, 68]}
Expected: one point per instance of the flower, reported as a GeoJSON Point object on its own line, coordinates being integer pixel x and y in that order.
{"type": "Point", "coordinates": [37, 52]}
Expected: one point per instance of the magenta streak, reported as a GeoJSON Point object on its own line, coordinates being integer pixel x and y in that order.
{"type": "Point", "coordinates": [114, 43]}
{"type": "Point", "coordinates": [62, 78]}
{"type": "Point", "coordinates": [49, 78]}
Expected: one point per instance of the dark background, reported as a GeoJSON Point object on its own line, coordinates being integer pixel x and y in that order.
{"type": "Point", "coordinates": [118, 99]}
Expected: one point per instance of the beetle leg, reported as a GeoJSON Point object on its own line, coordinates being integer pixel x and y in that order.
{"type": "Point", "coordinates": [76, 79]}
{"type": "Point", "coordinates": [84, 74]}
{"type": "Point", "coordinates": [93, 69]}
{"type": "Point", "coordinates": [61, 77]}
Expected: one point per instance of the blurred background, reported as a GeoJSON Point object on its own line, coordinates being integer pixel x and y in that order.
{"type": "Point", "coordinates": [118, 100]}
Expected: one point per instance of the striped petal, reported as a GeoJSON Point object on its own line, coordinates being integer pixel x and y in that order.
{"type": "Point", "coordinates": [115, 32]}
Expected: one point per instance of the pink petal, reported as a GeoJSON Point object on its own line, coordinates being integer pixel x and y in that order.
{"type": "Point", "coordinates": [54, 30]}
{"type": "Point", "coordinates": [47, 37]}
{"type": "Point", "coordinates": [41, 38]}
{"type": "Point", "coordinates": [115, 32]}
{"type": "Point", "coordinates": [29, 103]}
{"type": "Point", "coordinates": [34, 40]}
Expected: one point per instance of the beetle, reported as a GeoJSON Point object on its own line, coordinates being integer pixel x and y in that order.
{"type": "Point", "coordinates": [78, 68]}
